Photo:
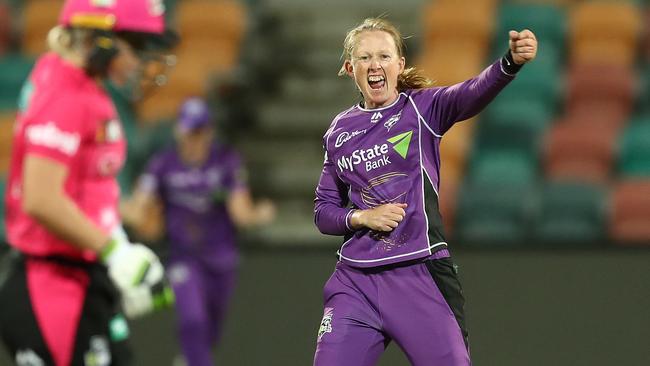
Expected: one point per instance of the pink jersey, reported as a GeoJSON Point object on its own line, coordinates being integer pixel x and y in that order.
{"type": "Point", "coordinates": [70, 120]}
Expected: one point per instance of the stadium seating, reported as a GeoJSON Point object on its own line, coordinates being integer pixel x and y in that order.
{"type": "Point", "coordinates": [454, 148]}
{"type": "Point", "coordinates": [211, 35]}
{"type": "Point", "coordinates": [440, 64]}
{"type": "Point", "coordinates": [630, 212]}
{"type": "Point", "coordinates": [454, 20]}
{"type": "Point", "coordinates": [39, 16]}
{"type": "Point", "coordinates": [14, 69]}
{"type": "Point", "coordinates": [452, 28]}
{"type": "Point", "coordinates": [547, 21]}
{"type": "Point", "coordinates": [541, 82]}
{"type": "Point", "coordinates": [6, 135]}
{"type": "Point", "coordinates": [577, 152]}
{"type": "Point", "coordinates": [5, 27]}
{"type": "Point", "coordinates": [607, 92]}
{"type": "Point", "coordinates": [494, 215]}
{"type": "Point", "coordinates": [646, 44]}
{"type": "Point", "coordinates": [604, 32]}
{"type": "Point", "coordinates": [502, 167]}
{"type": "Point", "coordinates": [634, 158]}
{"type": "Point", "coordinates": [644, 91]}
{"type": "Point", "coordinates": [512, 131]}
{"type": "Point", "coordinates": [571, 213]}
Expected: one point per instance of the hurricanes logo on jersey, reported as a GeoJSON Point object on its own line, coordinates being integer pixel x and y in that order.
{"type": "Point", "coordinates": [392, 121]}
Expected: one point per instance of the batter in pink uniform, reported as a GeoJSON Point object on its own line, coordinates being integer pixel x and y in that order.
{"type": "Point", "coordinates": [74, 273]}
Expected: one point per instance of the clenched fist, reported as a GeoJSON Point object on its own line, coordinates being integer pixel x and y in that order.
{"type": "Point", "coordinates": [381, 218]}
{"type": "Point", "coordinates": [523, 46]}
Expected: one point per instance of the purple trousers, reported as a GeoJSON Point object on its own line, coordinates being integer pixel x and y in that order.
{"type": "Point", "coordinates": [202, 297]}
{"type": "Point", "coordinates": [419, 305]}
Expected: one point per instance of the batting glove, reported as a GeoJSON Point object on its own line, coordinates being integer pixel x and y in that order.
{"type": "Point", "coordinates": [137, 272]}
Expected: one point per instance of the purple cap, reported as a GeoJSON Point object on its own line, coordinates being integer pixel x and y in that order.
{"type": "Point", "coordinates": [194, 114]}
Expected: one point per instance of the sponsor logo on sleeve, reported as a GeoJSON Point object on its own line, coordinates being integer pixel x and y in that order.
{"type": "Point", "coordinates": [50, 136]}
{"type": "Point", "coordinates": [109, 131]}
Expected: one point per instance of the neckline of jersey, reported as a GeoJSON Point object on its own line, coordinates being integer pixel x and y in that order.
{"type": "Point", "coordinates": [382, 108]}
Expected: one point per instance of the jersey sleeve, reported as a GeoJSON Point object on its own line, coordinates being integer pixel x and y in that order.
{"type": "Point", "coordinates": [57, 131]}
{"type": "Point", "coordinates": [331, 215]}
{"type": "Point", "coordinates": [441, 107]}
{"type": "Point", "coordinates": [236, 174]}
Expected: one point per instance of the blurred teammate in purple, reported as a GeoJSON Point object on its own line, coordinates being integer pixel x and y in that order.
{"type": "Point", "coordinates": [395, 280]}
{"type": "Point", "coordinates": [201, 186]}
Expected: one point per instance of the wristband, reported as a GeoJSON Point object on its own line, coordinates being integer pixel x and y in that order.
{"type": "Point", "coordinates": [508, 65]}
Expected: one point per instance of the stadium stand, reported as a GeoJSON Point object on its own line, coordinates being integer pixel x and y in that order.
{"type": "Point", "coordinates": [14, 69]}
{"type": "Point", "coordinates": [571, 213]}
{"type": "Point", "coordinates": [211, 34]}
{"type": "Point", "coordinates": [575, 152]}
{"type": "Point", "coordinates": [6, 132]}
{"type": "Point", "coordinates": [38, 17]}
{"type": "Point", "coordinates": [570, 132]}
{"type": "Point", "coordinates": [634, 156]}
{"type": "Point", "coordinates": [630, 212]}
{"type": "Point", "coordinates": [604, 32]}
{"type": "Point", "coordinates": [5, 28]}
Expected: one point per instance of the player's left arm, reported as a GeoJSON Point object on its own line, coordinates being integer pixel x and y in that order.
{"type": "Point", "coordinates": [242, 209]}
{"type": "Point", "coordinates": [466, 99]}
{"type": "Point", "coordinates": [244, 212]}
{"type": "Point", "coordinates": [143, 212]}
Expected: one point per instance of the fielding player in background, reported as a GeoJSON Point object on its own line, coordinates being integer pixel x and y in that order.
{"type": "Point", "coordinates": [200, 185]}
{"type": "Point", "coordinates": [60, 302]}
{"type": "Point", "coordinates": [395, 279]}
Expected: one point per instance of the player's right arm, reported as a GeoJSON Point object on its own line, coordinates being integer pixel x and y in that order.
{"type": "Point", "coordinates": [44, 199]}
{"type": "Point", "coordinates": [143, 210]}
{"type": "Point", "coordinates": [333, 217]}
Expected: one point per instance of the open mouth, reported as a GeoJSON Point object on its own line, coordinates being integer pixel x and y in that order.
{"type": "Point", "coordinates": [376, 81]}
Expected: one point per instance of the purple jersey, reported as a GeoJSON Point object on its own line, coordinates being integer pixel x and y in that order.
{"type": "Point", "coordinates": [392, 155]}
{"type": "Point", "coordinates": [193, 197]}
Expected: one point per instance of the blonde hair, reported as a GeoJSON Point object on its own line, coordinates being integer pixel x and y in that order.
{"type": "Point", "coordinates": [68, 42]}
{"type": "Point", "coordinates": [410, 78]}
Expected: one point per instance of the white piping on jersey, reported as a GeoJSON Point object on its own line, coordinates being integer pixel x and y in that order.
{"type": "Point", "coordinates": [420, 116]}
{"type": "Point", "coordinates": [421, 120]}
{"type": "Point", "coordinates": [422, 172]}
{"type": "Point", "coordinates": [346, 219]}
{"type": "Point", "coordinates": [341, 256]}
{"type": "Point", "coordinates": [333, 126]}
{"type": "Point", "coordinates": [382, 108]}
{"type": "Point", "coordinates": [424, 202]}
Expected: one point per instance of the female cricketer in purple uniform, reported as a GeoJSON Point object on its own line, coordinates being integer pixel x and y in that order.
{"type": "Point", "coordinates": [201, 187]}
{"type": "Point", "coordinates": [395, 279]}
